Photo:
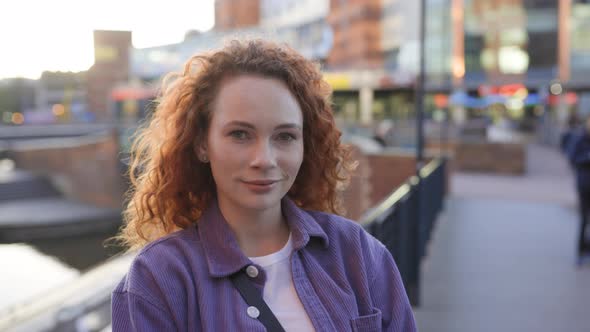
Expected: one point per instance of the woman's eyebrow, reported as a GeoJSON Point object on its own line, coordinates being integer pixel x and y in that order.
{"type": "Point", "coordinates": [251, 126]}
{"type": "Point", "coordinates": [240, 124]}
{"type": "Point", "coordinates": [289, 126]}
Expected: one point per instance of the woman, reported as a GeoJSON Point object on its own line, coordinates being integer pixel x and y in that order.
{"type": "Point", "coordinates": [238, 174]}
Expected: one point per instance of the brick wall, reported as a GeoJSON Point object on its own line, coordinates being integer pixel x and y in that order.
{"type": "Point", "coordinates": [504, 158]}
{"type": "Point", "coordinates": [85, 169]}
{"type": "Point", "coordinates": [356, 197]}
{"type": "Point", "coordinates": [487, 157]}
{"type": "Point", "coordinates": [377, 176]}
{"type": "Point", "coordinates": [357, 34]}
{"type": "Point", "coordinates": [235, 14]}
{"type": "Point", "coordinates": [389, 171]}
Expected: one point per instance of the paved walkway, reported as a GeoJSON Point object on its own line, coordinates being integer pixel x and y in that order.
{"type": "Point", "coordinates": [502, 256]}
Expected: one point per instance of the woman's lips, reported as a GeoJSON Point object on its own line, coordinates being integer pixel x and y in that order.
{"type": "Point", "coordinates": [260, 186]}
{"type": "Point", "coordinates": [261, 182]}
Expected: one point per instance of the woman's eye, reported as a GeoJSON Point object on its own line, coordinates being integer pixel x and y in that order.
{"type": "Point", "coordinates": [287, 137]}
{"type": "Point", "coordinates": [239, 134]}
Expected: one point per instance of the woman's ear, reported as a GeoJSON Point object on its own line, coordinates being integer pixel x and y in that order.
{"type": "Point", "coordinates": [200, 150]}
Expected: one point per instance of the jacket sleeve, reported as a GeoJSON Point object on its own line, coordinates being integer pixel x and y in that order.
{"type": "Point", "coordinates": [388, 293]}
{"type": "Point", "coordinates": [580, 152]}
{"type": "Point", "coordinates": [131, 312]}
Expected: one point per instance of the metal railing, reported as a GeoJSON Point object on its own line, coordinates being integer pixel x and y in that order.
{"type": "Point", "coordinates": [81, 305]}
{"type": "Point", "coordinates": [404, 220]}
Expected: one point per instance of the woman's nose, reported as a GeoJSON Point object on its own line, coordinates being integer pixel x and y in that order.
{"type": "Point", "coordinates": [264, 155]}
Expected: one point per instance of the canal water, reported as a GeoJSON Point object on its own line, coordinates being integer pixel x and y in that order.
{"type": "Point", "coordinates": [28, 270]}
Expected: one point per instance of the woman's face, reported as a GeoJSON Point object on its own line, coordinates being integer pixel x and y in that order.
{"type": "Point", "coordinates": [254, 143]}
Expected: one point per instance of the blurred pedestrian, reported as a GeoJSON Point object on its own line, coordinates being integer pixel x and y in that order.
{"type": "Point", "coordinates": [383, 132]}
{"type": "Point", "coordinates": [574, 129]}
{"type": "Point", "coordinates": [578, 149]}
{"type": "Point", "coordinates": [234, 208]}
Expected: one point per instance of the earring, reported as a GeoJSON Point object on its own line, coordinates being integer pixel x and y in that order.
{"type": "Point", "coordinates": [203, 158]}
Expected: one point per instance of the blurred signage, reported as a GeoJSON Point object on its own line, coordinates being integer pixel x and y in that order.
{"type": "Point", "coordinates": [580, 31]}
{"type": "Point", "coordinates": [132, 93]}
{"type": "Point", "coordinates": [505, 90]}
{"type": "Point", "coordinates": [570, 98]}
{"type": "Point", "coordinates": [441, 100]}
{"type": "Point", "coordinates": [338, 81]}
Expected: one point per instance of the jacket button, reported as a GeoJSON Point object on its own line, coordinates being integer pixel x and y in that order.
{"type": "Point", "coordinates": [252, 271]}
{"type": "Point", "coordinates": [253, 312]}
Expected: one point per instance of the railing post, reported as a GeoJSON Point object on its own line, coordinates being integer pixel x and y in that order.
{"type": "Point", "coordinates": [414, 216]}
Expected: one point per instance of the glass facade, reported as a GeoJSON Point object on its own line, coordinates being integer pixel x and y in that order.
{"type": "Point", "coordinates": [399, 41]}
{"type": "Point", "coordinates": [580, 41]}
{"type": "Point", "coordinates": [510, 40]}
{"type": "Point", "coordinates": [438, 42]}
{"type": "Point", "coordinates": [291, 13]}
{"type": "Point", "coordinates": [542, 29]}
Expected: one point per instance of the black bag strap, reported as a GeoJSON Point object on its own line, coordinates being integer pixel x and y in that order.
{"type": "Point", "coordinates": [253, 298]}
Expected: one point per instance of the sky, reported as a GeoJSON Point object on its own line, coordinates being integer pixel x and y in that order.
{"type": "Point", "coordinates": [56, 35]}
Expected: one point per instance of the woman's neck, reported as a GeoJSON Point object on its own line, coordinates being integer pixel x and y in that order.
{"type": "Point", "coordinates": [258, 232]}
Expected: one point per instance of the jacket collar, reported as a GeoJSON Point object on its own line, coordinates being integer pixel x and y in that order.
{"type": "Point", "coordinates": [222, 252]}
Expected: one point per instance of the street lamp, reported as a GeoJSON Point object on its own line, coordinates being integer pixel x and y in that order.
{"type": "Point", "coordinates": [420, 90]}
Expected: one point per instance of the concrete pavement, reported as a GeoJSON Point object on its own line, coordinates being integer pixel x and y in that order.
{"type": "Point", "coordinates": [502, 256]}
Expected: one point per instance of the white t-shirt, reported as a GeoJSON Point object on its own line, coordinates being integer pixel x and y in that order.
{"type": "Point", "coordinates": [279, 291]}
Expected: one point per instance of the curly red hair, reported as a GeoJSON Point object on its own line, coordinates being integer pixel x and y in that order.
{"type": "Point", "coordinates": [170, 187]}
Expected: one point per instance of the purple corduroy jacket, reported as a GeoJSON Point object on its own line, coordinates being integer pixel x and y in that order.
{"type": "Point", "coordinates": [345, 278]}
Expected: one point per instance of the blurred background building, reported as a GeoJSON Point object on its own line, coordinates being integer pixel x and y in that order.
{"type": "Point", "coordinates": [62, 98]}
{"type": "Point", "coordinates": [236, 14]}
{"type": "Point", "coordinates": [111, 67]}
{"type": "Point", "coordinates": [521, 62]}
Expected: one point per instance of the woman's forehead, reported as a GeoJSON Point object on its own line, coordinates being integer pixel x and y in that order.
{"type": "Point", "coordinates": [254, 99]}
